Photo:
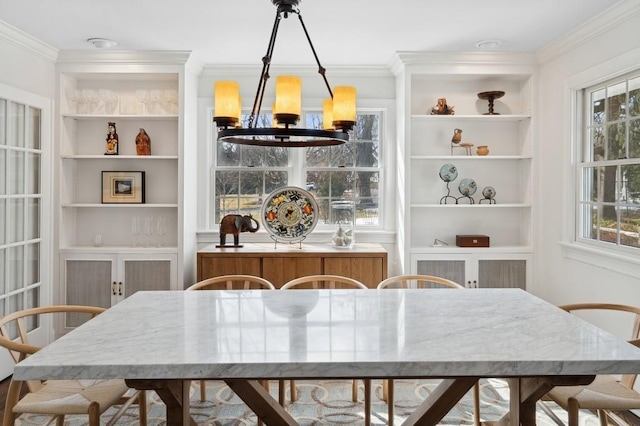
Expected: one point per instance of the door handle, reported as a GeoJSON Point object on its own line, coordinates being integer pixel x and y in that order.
{"type": "Point", "coordinates": [120, 288]}
{"type": "Point", "coordinates": [113, 288]}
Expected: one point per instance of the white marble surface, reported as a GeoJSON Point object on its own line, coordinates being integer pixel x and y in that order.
{"type": "Point", "coordinates": [332, 333]}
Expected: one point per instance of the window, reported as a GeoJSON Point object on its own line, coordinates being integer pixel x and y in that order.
{"type": "Point", "coordinates": [609, 168]}
{"type": "Point", "coordinates": [344, 179]}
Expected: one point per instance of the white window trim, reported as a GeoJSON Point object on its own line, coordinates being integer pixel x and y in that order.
{"type": "Point", "coordinates": [572, 247]}
{"type": "Point", "coordinates": [385, 234]}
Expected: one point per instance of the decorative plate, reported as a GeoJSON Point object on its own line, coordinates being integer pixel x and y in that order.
{"type": "Point", "coordinates": [448, 172]}
{"type": "Point", "coordinates": [467, 187]}
{"type": "Point", "coordinates": [289, 213]}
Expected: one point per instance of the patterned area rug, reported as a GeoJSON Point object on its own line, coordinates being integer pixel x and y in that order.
{"type": "Point", "coordinates": [328, 403]}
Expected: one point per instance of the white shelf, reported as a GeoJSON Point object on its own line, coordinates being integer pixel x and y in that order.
{"type": "Point", "coordinates": [471, 206]}
{"type": "Point", "coordinates": [137, 117]}
{"type": "Point", "coordinates": [471, 157]}
{"type": "Point", "coordinates": [480, 118]}
{"type": "Point", "coordinates": [118, 157]}
{"type": "Point", "coordinates": [118, 205]}
{"type": "Point", "coordinates": [453, 249]}
{"type": "Point", "coordinates": [117, 249]}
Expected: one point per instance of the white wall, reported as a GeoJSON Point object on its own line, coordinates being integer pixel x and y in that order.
{"type": "Point", "coordinates": [609, 42]}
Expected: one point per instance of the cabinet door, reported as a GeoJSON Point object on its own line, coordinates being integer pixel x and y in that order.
{"type": "Point", "coordinates": [147, 274]}
{"type": "Point", "coordinates": [502, 273]}
{"type": "Point", "coordinates": [367, 270]}
{"type": "Point", "coordinates": [215, 266]}
{"type": "Point", "coordinates": [451, 269]}
{"type": "Point", "coordinates": [87, 282]}
{"type": "Point", "coordinates": [279, 270]}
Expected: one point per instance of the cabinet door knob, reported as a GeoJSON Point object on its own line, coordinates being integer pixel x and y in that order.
{"type": "Point", "coordinates": [120, 288]}
{"type": "Point", "coordinates": [113, 288]}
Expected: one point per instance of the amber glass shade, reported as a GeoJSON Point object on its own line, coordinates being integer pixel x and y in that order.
{"type": "Point", "coordinates": [327, 114]}
{"type": "Point", "coordinates": [344, 107]}
{"type": "Point", "coordinates": [288, 99]}
{"type": "Point", "coordinates": [227, 105]}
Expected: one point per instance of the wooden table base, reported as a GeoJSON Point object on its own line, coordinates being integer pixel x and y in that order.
{"type": "Point", "coordinates": [524, 394]}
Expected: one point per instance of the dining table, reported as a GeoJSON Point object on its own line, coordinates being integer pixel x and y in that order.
{"type": "Point", "coordinates": [161, 340]}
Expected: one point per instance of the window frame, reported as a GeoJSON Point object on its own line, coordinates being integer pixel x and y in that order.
{"type": "Point", "coordinates": [584, 251]}
{"type": "Point", "coordinates": [384, 232]}
{"type": "Point", "coordinates": [586, 163]}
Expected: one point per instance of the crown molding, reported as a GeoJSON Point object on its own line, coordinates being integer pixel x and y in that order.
{"type": "Point", "coordinates": [462, 62]}
{"type": "Point", "coordinates": [28, 43]}
{"type": "Point", "coordinates": [301, 70]}
{"type": "Point", "coordinates": [587, 31]}
{"type": "Point", "coordinates": [145, 57]}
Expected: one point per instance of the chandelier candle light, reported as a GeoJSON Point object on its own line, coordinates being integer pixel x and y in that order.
{"type": "Point", "coordinates": [339, 111]}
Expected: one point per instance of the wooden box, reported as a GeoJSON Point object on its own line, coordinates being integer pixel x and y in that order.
{"type": "Point", "coordinates": [472, 240]}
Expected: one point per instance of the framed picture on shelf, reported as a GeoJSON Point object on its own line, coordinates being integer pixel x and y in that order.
{"type": "Point", "coordinates": [122, 187]}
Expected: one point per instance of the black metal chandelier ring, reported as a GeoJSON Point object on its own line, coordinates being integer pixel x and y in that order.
{"type": "Point", "coordinates": [276, 137]}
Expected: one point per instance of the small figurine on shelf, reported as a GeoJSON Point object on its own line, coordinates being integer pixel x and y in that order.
{"type": "Point", "coordinates": [442, 108]}
{"type": "Point", "coordinates": [112, 140]}
{"type": "Point", "coordinates": [456, 142]}
{"type": "Point", "coordinates": [143, 143]}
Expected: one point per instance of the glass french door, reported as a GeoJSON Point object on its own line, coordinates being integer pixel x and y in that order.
{"type": "Point", "coordinates": [24, 196]}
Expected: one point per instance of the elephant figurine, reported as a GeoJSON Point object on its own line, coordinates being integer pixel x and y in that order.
{"type": "Point", "coordinates": [234, 224]}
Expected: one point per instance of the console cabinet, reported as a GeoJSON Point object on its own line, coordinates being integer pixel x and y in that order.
{"type": "Point", "coordinates": [366, 263]}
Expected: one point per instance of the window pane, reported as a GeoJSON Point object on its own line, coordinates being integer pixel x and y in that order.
{"type": "Point", "coordinates": [367, 127]}
{"type": "Point", "coordinates": [34, 126]}
{"type": "Point", "coordinates": [634, 97]}
{"type": "Point", "coordinates": [634, 138]}
{"type": "Point", "coordinates": [16, 116]}
{"type": "Point", "coordinates": [590, 184]}
{"type": "Point", "coordinates": [617, 101]}
{"type": "Point", "coordinates": [631, 183]}
{"type": "Point", "coordinates": [274, 180]}
{"type": "Point", "coordinates": [33, 216]}
{"type": "Point", "coordinates": [3, 221]}
{"type": "Point", "coordinates": [629, 221]}
{"type": "Point", "coordinates": [251, 190]}
{"type": "Point", "coordinates": [16, 219]}
{"type": "Point", "coordinates": [33, 166]}
{"type": "Point", "coordinates": [228, 154]}
{"type": "Point", "coordinates": [15, 268]}
{"type": "Point", "coordinates": [16, 171]}
{"type": "Point", "coordinates": [342, 155]}
{"type": "Point", "coordinates": [33, 264]}
{"type": "Point", "coordinates": [597, 107]}
{"type": "Point", "coordinates": [616, 138]}
{"type": "Point", "coordinates": [3, 171]}
{"type": "Point", "coordinates": [597, 144]}
{"type": "Point", "coordinates": [318, 156]}
{"type": "Point", "coordinates": [3, 268]}
{"type": "Point", "coordinates": [3, 117]}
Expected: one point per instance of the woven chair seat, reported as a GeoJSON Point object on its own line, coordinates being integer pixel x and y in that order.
{"type": "Point", "coordinates": [604, 392]}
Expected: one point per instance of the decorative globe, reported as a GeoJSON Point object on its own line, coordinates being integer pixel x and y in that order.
{"type": "Point", "coordinates": [488, 192]}
{"type": "Point", "coordinates": [448, 172]}
{"type": "Point", "coordinates": [467, 187]}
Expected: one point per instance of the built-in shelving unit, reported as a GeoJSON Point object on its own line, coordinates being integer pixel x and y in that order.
{"type": "Point", "coordinates": [424, 140]}
{"type": "Point", "coordinates": [101, 244]}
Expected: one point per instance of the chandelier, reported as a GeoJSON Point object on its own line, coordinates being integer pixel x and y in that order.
{"type": "Point", "coordinates": [339, 110]}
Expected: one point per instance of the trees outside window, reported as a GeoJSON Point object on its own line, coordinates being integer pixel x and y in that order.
{"type": "Point", "coordinates": [344, 179]}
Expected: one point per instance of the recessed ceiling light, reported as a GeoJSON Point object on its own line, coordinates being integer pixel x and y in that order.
{"type": "Point", "coordinates": [488, 44]}
{"type": "Point", "coordinates": [102, 43]}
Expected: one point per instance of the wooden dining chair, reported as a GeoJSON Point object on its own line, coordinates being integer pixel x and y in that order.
{"type": "Point", "coordinates": [421, 281]}
{"type": "Point", "coordinates": [331, 282]}
{"type": "Point", "coordinates": [229, 282]}
{"type": "Point", "coordinates": [58, 398]}
{"type": "Point", "coordinates": [606, 393]}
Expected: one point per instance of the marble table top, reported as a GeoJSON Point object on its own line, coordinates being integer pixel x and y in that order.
{"type": "Point", "coordinates": [332, 333]}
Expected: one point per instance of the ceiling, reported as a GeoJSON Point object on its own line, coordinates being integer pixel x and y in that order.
{"type": "Point", "coordinates": [344, 32]}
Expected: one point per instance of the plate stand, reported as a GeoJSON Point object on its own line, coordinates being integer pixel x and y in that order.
{"type": "Point", "coordinates": [275, 240]}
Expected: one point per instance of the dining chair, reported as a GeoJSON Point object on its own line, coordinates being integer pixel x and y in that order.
{"type": "Point", "coordinates": [331, 282]}
{"type": "Point", "coordinates": [230, 282]}
{"type": "Point", "coordinates": [421, 281]}
{"type": "Point", "coordinates": [606, 393]}
{"type": "Point", "coordinates": [58, 398]}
